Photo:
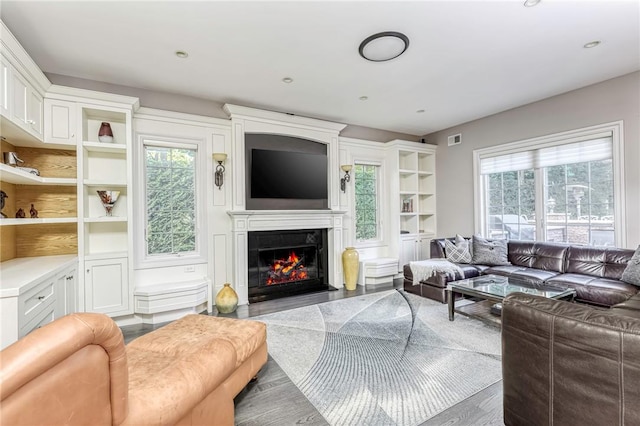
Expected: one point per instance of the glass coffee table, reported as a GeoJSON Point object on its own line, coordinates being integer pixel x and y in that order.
{"type": "Point", "coordinates": [492, 289]}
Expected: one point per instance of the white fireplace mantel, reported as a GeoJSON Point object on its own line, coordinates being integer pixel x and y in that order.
{"type": "Point", "coordinates": [246, 221]}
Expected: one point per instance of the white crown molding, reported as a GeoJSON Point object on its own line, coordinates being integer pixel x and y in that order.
{"type": "Point", "coordinates": [418, 146]}
{"type": "Point", "coordinates": [181, 118]}
{"type": "Point", "coordinates": [21, 60]}
{"type": "Point", "coordinates": [236, 111]}
{"type": "Point", "coordinates": [73, 94]}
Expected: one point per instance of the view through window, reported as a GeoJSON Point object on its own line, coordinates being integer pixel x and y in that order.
{"type": "Point", "coordinates": [170, 175]}
{"type": "Point", "coordinates": [564, 193]}
{"type": "Point", "coordinates": [366, 194]}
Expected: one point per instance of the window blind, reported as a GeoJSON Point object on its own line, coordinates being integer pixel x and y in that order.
{"type": "Point", "coordinates": [577, 152]}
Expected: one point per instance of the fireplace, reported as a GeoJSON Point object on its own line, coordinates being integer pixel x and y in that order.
{"type": "Point", "coordinates": [285, 263]}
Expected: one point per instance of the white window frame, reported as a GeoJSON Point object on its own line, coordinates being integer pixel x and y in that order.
{"type": "Point", "coordinates": [374, 242]}
{"type": "Point", "coordinates": [143, 259]}
{"type": "Point", "coordinates": [614, 130]}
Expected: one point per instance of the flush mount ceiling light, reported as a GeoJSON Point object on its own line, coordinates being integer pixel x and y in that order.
{"type": "Point", "coordinates": [287, 80]}
{"type": "Point", "coordinates": [383, 46]}
{"type": "Point", "coordinates": [591, 44]}
{"type": "Point", "coordinates": [531, 3]}
{"type": "Point", "coordinates": [181, 54]}
{"type": "Point", "coordinates": [363, 98]}
{"type": "Point", "coordinates": [420, 111]}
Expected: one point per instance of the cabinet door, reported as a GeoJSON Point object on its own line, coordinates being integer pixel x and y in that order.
{"type": "Point", "coordinates": [408, 250]}
{"type": "Point", "coordinates": [107, 287]}
{"type": "Point", "coordinates": [59, 122]}
{"type": "Point", "coordinates": [34, 113]}
{"type": "Point", "coordinates": [19, 99]}
{"type": "Point", "coordinates": [5, 87]}
{"type": "Point", "coordinates": [68, 295]}
{"type": "Point", "coordinates": [424, 248]}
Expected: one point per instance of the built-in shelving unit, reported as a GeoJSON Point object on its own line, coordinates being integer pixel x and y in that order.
{"type": "Point", "coordinates": [413, 183]}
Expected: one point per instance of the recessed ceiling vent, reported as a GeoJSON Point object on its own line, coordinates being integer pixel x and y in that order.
{"type": "Point", "coordinates": [455, 139]}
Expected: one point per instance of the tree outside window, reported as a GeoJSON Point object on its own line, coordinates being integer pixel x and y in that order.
{"type": "Point", "coordinates": [170, 175]}
{"type": "Point", "coordinates": [366, 189]}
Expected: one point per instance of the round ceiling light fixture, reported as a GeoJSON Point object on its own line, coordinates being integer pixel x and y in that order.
{"type": "Point", "coordinates": [591, 44]}
{"type": "Point", "coordinates": [531, 3]}
{"type": "Point", "coordinates": [383, 46]}
{"type": "Point", "coordinates": [420, 111]}
{"type": "Point", "coordinates": [182, 54]}
{"type": "Point", "coordinates": [287, 80]}
{"type": "Point", "coordinates": [363, 98]}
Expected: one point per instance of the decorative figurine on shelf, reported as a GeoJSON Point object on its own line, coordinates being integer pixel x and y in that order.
{"type": "Point", "coordinates": [105, 134]}
{"type": "Point", "coordinates": [33, 212]}
{"type": "Point", "coordinates": [3, 195]}
{"type": "Point", "coordinates": [20, 214]}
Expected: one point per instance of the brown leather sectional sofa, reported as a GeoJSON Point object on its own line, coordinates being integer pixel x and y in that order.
{"type": "Point", "coordinates": [569, 363]}
{"type": "Point", "coordinates": [594, 272]}
{"type": "Point", "coordinates": [77, 371]}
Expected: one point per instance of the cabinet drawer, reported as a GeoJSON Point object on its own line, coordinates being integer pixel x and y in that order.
{"type": "Point", "coordinates": [34, 300]}
{"type": "Point", "coordinates": [42, 318]}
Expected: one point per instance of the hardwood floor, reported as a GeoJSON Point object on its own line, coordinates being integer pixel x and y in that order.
{"type": "Point", "coordinates": [274, 400]}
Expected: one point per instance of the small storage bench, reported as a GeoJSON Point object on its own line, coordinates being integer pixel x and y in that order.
{"type": "Point", "coordinates": [377, 271]}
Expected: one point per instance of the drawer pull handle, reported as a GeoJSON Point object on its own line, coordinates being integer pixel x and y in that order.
{"type": "Point", "coordinates": [41, 297]}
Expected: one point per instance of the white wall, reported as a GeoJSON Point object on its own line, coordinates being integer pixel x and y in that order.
{"type": "Point", "coordinates": [612, 100]}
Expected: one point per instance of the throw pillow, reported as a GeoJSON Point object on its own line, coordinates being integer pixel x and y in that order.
{"type": "Point", "coordinates": [631, 273]}
{"type": "Point", "coordinates": [457, 252]}
{"type": "Point", "coordinates": [490, 252]}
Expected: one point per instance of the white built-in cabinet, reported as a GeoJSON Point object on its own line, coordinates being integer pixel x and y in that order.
{"type": "Point", "coordinates": [60, 122]}
{"type": "Point", "coordinates": [413, 197]}
{"type": "Point", "coordinates": [106, 286]}
{"type": "Point", "coordinates": [26, 106]}
{"type": "Point", "coordinates": [5, 93]}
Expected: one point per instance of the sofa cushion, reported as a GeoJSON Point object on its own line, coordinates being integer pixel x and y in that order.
{"type": "Point", "coordinates": [489, 252]}
{"type": "Point", "coordinates": [631, 273]}
{"type": "Point", "coordinates": [457, 251]}
{"type": "Point", "coordinates": [600, 291]}
{"type": "Point", "coordinates": [598, 262]}
{"type": "Point", "coordinates": [544, 256]}
{"type": "Point", "coordinates": [505, 270]}
{"type": "Point", "coordinates": [534, 275]}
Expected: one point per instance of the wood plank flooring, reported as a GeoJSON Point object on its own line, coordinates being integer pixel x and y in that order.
{"type": "Point", "coordinates": [275, 400]}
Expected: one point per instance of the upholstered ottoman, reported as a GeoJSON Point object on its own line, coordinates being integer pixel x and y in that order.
{"type": "Point", "coordinates": [189, 371]}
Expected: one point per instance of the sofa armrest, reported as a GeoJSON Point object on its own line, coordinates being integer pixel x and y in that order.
{"type": "Point", "coordinates": [565, 363]}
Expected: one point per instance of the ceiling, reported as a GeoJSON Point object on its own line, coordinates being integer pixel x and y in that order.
{"type": "Point", "coordinates": [466, 59]}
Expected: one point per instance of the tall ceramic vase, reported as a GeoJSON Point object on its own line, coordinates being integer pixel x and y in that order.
{"type": "Point", "coordinates": [350, 266]}
{"type": "Point", "coordinates": [226, 300]}
{"type": "Point", "coordinates": [105, 134]}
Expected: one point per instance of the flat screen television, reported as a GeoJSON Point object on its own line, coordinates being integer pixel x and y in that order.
{"type": "Point", "coordinates": [287, 174]}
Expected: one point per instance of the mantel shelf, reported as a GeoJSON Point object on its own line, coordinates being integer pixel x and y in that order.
{"type": "Point", "coordinates": [38, 221]}
{"type": "Point", "coordinates": [20, 177]}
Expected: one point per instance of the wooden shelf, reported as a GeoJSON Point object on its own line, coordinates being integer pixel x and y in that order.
{"type": "Point", "coordinates": [38, 221]}
{"type": "Point", "coordinates": [20, 177]}
{"type": "Point", "coordinates": [105, 147]}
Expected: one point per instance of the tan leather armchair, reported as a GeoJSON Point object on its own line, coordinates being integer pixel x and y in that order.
{"type": "Point", "coordinates": [77, 370]}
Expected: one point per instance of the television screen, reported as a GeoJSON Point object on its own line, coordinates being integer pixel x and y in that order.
{"type": "Point", "coordinates": [286, 174]}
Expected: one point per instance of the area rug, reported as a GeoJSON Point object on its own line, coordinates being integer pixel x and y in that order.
{"type": "Point", "coordinates": [389, 358]}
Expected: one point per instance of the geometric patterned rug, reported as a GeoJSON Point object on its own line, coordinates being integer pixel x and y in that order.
{"type": "Point", "coordinates": [388, 358]}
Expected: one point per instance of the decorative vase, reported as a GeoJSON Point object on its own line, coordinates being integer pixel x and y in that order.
{"type": "Point", "coordinates": [350, 267]}
{"type": "Point", "coordinates": [105, 134]}
{"type": "Point", "coordinates": [227, 300]}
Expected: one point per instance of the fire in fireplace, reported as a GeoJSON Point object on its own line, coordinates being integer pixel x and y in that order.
{"type": "Point", "coordinates": [284, 263]}
{"type": "Point", "coordinates": [287, 270]}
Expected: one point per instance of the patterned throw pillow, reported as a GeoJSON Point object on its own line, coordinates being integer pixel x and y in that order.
{"type": "Point", "coordinates": [631, 273]}
{"type": "Point", "coordinates": [457, 252]}
{"type": "Point", "coordinates": [490, 252]}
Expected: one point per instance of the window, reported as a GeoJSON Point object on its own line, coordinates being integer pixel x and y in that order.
{"type": "Point", "coordinates": [366, 195]}
{"type": "Point", "coordinates": [170, 194]}
{"type": "Point", "coordinates": [564, 188]}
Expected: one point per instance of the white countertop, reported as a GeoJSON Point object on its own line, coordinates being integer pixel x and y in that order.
{"type": "Point", "coordinates": [17, 274]}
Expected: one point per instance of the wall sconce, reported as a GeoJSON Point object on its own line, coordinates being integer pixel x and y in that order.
{"type": "Point", "coordinates": [219, 176]}
{"type": "Point", "coordinates": [346, 168]}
